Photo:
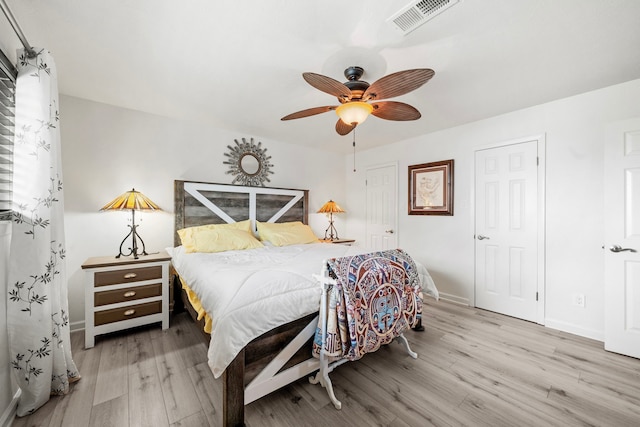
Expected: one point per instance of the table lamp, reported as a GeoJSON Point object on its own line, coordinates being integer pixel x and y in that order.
{"type": "Point", "coordinates": [135, 201]}
{"type": "Point", "coordinates": [331, 207]}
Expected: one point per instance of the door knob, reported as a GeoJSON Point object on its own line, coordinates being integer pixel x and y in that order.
{"type": "Point", "coordinates": [618, 248]}
{"type": "Point", "coordinates": [388, 231]}
{"type": "Point", "coordinates": [481, 237]}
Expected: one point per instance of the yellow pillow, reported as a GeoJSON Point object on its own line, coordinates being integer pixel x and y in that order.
{"type": "Point", "coordinates": [223, 239]}
{"type": "Point", "coordinates": [286, 233]}
{"type": "Point", "coordinates": [187, 234]}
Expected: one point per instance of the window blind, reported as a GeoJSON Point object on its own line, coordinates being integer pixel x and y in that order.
{"type": "Point", "coordinates": [7, 119]}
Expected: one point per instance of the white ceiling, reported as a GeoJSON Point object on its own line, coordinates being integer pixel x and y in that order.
{"type": "Point", "coordinates": [238, 64]}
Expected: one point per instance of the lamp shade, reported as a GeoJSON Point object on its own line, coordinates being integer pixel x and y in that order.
{"type": "Point", "coordinates": [330, 207]}
{"type": "Point", "coordinates": [354, 112]}
{"type": "Point", "coordinates": [134, 200]}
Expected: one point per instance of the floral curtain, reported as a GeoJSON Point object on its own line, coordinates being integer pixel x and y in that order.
{"type": "Point", "coordinates": [37, 306]}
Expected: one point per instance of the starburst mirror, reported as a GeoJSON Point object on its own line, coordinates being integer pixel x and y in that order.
{"type": "Point", "coordinates": [248, 163]}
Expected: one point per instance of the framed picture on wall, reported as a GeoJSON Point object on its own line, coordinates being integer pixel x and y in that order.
{"type": "Point", "coordinates": [431, 188]}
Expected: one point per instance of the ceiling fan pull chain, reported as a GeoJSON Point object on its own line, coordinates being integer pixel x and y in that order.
{"type": "Point", "coordinates": [354, 149]}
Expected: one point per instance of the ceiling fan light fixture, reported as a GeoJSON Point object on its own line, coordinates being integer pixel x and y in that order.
{"type": "Point", "coordinates": [354, 112]}
{"type": "Point", "coordinates": [354, 95]}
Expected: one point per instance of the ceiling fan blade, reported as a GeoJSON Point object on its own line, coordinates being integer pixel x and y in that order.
{"type": "Point", "coordinates": [393, 110]}
{"type": "Point", "coordinates": [327, 85]}
{"type": "Point", "coordinates": [308, 112]}
{"type": "Point", "coordinates": [397, 84]}
{"type": "Point", "coordinates": [342, 128]}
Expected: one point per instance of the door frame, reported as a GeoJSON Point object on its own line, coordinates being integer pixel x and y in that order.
{"type": "Point", "coordinates": [366, 171]}
{"type": "Point", "coordinates": [541, 213]}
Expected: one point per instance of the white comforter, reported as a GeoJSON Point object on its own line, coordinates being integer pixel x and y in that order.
{"type": "Point", "coordinates": [250, 292]}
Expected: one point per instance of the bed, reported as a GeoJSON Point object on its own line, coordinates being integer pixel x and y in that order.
{"type": "Point", "coordinates": [266, 326]}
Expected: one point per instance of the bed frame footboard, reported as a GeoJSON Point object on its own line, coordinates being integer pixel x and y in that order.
{"type": "Point", "coordinates": [279, 372]}
{"type": "Point", "coordinates": [271, 361]}
{"type": "Point", "coordinates": [266, 364]}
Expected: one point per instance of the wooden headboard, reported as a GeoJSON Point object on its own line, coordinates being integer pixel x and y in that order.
{"type": "Point", "coordinates": [199, 203]}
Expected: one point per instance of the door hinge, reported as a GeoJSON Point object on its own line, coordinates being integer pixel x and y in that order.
{"type": "Point", "coordinates": [536, 296]}
{"type": "Point", "coordinates": [537, 161]}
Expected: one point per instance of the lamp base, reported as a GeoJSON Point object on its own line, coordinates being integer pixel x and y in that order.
{"type": "Point", "coordinates": [331, 231]}
{"type": "Point", "coordinates": [133, 250]}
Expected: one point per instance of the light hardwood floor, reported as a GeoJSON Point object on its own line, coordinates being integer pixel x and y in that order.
{"type": "Point", "coordinates": [475, 368]}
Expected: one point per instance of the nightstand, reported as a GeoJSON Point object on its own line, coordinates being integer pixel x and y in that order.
{"type": "Point", "coordinates": [346, 242]}
{"type": "Point", "coordinates": [122, 293]}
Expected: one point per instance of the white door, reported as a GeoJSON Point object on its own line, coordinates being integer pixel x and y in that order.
{"type": "Point", "coordinates": [506, 230]}
{"type": "Point", "coordinates": [622, 237]}
{"type": "Point", "coordinates": [382, 207]}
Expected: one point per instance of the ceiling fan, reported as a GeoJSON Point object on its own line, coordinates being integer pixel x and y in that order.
{"type": "Point", "coordinates": [355, 94]}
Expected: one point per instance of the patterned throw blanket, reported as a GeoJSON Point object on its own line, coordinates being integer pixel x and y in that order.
{"type": "Point", "coordinates": [375, 299]}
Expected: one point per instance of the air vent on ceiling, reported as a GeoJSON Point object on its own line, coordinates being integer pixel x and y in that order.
{"type": "Point", "coordinates": [417, 13]}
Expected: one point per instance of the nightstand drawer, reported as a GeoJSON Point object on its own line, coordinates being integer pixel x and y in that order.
{"type": "Point", "coordinates": [130, 312]}
{"type": "Point", "coordinates": [128, 294]}
{"type": "Point", "coordinates": [103, 278]}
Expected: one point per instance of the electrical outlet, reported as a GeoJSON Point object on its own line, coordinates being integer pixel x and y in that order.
{"type": "Point", "coordinates": [578, 300]}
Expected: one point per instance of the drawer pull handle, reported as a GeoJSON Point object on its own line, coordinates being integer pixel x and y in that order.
{"type": "Point", "coordinates": [129, 312]}
{"type": "Point", "coordinates": [130, 294]}
{"type": "Point", "coordinates": [130, 276]}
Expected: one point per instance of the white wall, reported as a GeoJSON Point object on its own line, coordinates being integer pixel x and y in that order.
{"type": "Point", "coordinates": [108, 150]}
{"type": "Point", "coordinates": [574, 129]}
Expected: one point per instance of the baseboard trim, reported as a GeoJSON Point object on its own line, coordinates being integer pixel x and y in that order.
{"type": "Point", "coordinates": [9, 413]}
{"type": "Point", "coordinates": [575, 330]}
{"type": "Point", "coordinates": [454, 298]}
{"type": "Point", "coordinates": [549, 323]}
{"type": "Point", "coordinates": [76, 326]}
